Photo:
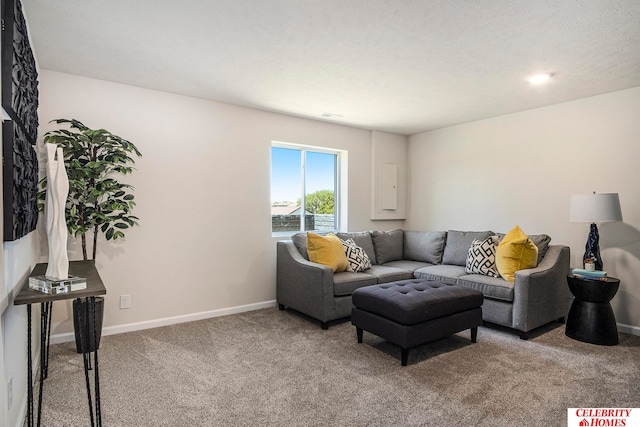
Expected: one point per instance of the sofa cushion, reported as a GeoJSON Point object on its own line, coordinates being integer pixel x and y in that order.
{"type": "Point", "coordinates": [515, 252]}
{"type": "Point", "coordinates": [541, 241]}
{"type": "Point", "coordinates": [346, 282]}
{"type": "Point", "coordinates": [357, 259]}
{"type": "Point", "coordinates": [458, 244]}
{"type": "Point", "coordinates": [482, 257]}
{"type": "Point", "coordinates": [442, 272]}
{"type": "Point", "coordinates": [388, 245]}
{"type": "Point", "coordinates": [386, 274]}
{"type": "Point", "coordinates": [327, 250]}
{"type": "Point", "coordinates": [491, 287]}
{"type": "Point", "coordinates": [408, 265]}
{"type": "Point", "coordinates": [425, 246]}
{"type": "Point", "coordinates": [300, 240]}
{"type": "Point", "coordinates": [362, 239]}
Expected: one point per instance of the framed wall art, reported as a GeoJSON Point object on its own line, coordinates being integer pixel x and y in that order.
{"type": "Point", "coordinates": [19, 133]}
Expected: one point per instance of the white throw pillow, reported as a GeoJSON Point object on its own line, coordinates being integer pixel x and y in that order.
{"type": "Point", "coordinates": [357, 259]}
{"type": "Point", "coordinates": [481, 258]}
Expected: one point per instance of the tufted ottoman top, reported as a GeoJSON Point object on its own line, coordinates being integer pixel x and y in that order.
{"type": "Point", "coordinates": [413, 301]}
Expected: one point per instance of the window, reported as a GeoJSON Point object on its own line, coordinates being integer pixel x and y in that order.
{"type": "Point", "coordinates": [303, 177]}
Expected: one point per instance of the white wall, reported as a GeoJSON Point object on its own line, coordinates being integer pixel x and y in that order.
{"type": "Point", "coordinates": [522, 169]}
{"type": "Point", "coordinates": [19, 258]}
{"type": "Point", "coordinates": [203, 196]}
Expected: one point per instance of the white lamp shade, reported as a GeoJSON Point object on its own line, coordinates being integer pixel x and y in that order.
{"type": "Point", "coordinates": [595, 208]}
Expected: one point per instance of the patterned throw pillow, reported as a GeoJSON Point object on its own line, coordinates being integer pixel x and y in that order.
{"type": "Point", "coordinates": [481, 258]}
{"type": "Point", "coordinates": [357, 259]}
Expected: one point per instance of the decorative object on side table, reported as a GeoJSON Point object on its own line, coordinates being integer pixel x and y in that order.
{"type": "Point", "coordinates": [590, 264]}
{"type": "Point", "coordinates": [57, 191]}
{"type": "Point", "coordinates": [97, 201]}
{"type": "Point", "coordinates": [594, 208]}
{"type": "Point", "coordinates": [56, 279]}
{"type": "Point", "coordinates": [47, 285]}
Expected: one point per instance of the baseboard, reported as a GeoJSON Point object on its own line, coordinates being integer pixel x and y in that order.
{"type": "Point", "coordinates": [628, 329]}
{"type": "Point", "coordinates": [148, 324]}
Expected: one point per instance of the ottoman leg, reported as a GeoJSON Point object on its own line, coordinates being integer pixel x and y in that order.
{"type": "Point", "coordinates": [359, 333]}
{"type": "Point", "coordinates": [474, 334]}
{"type": "Point", "coordinates": [404, 355]}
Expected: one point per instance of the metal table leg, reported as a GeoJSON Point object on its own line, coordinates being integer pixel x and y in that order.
{"type": "Point", "coordinates": [50, 310]}
{"type": "Point", "coordinates": [95, 360]}
{"type": "Point", "coordinates": [29, 371]}
{"type": "Point", "coordinates": [45, 331]}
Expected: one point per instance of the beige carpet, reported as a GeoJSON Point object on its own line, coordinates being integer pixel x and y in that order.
{"type": "Point", "coordinates": [277, 368]}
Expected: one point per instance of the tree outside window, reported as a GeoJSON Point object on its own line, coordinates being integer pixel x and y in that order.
{"type": "Point", "coordinates": [303, 177]}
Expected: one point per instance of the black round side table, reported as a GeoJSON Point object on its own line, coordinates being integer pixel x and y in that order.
{"type": "Point", "coordinates": [591, 317]}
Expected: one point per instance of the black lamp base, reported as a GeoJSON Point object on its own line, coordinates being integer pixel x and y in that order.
{"type": "Point", "coordinates": [592, 248]}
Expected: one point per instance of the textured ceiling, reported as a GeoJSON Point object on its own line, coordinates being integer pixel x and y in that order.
{"type": "Point", "coordinates": [402, 66]}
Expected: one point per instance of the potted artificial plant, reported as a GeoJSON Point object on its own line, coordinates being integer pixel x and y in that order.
{"type": "Point", "coordinates": [97, 202]}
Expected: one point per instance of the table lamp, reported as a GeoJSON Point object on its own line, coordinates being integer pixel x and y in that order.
{"type": "Point", "coordinates": [594, 208]}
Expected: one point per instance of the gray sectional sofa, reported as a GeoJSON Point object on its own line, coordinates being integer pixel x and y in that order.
{"type": "Point", "coordinates": [538, 296]}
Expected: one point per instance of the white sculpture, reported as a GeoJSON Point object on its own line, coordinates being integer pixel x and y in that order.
{"type": "Point", "coordinates": [56, 224]}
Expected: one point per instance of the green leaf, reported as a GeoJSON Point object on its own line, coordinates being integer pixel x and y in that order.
{"type": "Point", "coordinates": [94, 159]}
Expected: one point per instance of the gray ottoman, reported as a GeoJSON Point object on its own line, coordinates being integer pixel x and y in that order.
{"type": "Point", "coordinates": [412, 312]}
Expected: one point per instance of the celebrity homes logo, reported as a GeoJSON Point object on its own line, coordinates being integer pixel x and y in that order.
{"type": "Point", "coordinates": [603, 417]}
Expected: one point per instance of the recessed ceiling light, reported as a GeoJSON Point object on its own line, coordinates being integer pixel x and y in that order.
{"type": "Point", "coordinates": [539, 78]}
{"type": "Point", "coordinates": [330, 115]}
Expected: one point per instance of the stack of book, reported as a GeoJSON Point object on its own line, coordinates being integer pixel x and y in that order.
{"type": "Point", "coordinates": [589, 274]}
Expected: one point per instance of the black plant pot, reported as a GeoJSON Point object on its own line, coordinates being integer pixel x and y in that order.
{"type": "Point", "coordinates": [85, 342]}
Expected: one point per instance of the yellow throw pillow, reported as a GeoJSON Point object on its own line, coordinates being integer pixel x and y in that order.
{"type": "Point", "coordinates": [327, 250]}
{"type": "Point", "coordinates": [515, 252]}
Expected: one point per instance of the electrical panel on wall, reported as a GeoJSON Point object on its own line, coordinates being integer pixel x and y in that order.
{"type": "Point", "coordinates": [389, 166]}
{"type": "Point", "coordinates": [389, 187]}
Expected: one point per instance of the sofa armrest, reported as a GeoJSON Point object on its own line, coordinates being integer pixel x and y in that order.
{"type": "Point", "coordinates": [303, 285]}
{"type": "Point", "coordinates": [541, 294]}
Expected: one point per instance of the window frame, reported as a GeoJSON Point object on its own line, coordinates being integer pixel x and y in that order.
{"type": "Point", "coordinates": [337, 199]}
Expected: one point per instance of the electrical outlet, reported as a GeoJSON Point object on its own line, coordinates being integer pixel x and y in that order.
{"type": "Point", "coordinates": [125, 301]}
{"type": "Point", "coordinates": [10, 392]}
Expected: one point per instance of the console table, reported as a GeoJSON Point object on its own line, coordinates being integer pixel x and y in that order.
{"type": "Point", "coordinates": [28, 297]}
{"type": "Point", "coordinates": [591, 317]}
